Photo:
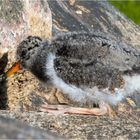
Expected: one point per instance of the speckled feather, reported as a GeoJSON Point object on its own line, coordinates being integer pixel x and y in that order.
{"type": "Point", "coordinates": [93, 60]}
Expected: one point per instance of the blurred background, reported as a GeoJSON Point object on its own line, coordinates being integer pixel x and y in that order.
{"type": "Point", "coordinates": [130, 8]}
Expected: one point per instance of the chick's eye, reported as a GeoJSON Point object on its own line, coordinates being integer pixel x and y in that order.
{"type": "Point", "coordinates": [23, 53]}
{"type": "Point", "coordinates": [36, 45]}
{"type": "Point", "coordinates": [29, 48]}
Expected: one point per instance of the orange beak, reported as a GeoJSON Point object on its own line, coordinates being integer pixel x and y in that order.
{"type": "Point", "coordinates": [15, 68]}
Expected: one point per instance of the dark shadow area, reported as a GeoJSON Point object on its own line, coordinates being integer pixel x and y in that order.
{"type": "Point", "coordinates": [3, 82]}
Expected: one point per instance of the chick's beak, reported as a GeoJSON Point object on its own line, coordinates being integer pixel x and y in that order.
{"type": "Point", "coordinates": [15, 68]}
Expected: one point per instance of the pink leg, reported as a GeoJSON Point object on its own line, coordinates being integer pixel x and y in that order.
{"type": "Point", "coordinates": [64, 109]}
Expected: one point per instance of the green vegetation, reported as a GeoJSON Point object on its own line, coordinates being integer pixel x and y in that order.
{"type": "Point", "coordinates": [131, 8]}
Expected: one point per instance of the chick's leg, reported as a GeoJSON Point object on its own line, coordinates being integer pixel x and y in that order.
{"type": "Point", "coordinates": [65, 109]}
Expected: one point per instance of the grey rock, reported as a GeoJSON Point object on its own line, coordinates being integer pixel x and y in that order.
{"type": "Point", "coordinates": [93, 16]}
{"type": "Point", "coordinates": [12, 129]}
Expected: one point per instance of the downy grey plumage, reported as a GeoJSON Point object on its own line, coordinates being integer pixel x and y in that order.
{"type": "Point", "coordinates": [86, 67]}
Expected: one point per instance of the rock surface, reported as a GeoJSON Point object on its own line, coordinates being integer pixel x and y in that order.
{"type": "Point", "coordinates": [74, 15]}
{"type": "Point", "coordinates": [11, 129]}
{"type": "Point", "coordinates": [23, 92]}
{"type": "Point", "coordinates": [125, 126]}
